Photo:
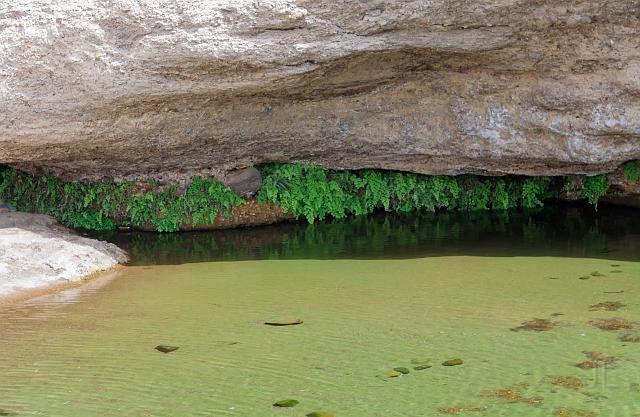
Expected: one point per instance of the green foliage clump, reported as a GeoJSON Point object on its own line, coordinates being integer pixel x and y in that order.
{"type": "Point", "coordinates": [632, 172]}
{"type": "Point", "coordinates": [594, 187]}
{"type": "Point", "coordinates": [315, 193]}
{"type": "Point", "coordinates": [590, 188]}
{"type": "Point", "coordinates": [103, 205]}
{"type": "Point", "coordinates": [305, 191]}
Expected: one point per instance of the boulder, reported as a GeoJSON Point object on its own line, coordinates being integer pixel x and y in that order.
{"type": "Point", "coordinates": [127, 89]}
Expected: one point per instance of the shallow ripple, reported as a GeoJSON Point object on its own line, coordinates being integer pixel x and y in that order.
{"type": "Point", "coordinates": [94, 355]}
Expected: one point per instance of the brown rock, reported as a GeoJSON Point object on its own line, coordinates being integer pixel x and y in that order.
{"type": "Point", "coordinates": [245, 182]}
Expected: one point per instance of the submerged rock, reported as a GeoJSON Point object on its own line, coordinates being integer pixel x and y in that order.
{"type": "Point", "coordinates": [402, 370]}
{"type": "Point", "coordinates": [421, 367]}
{"type": "Point", "coordinates": [461, 409]}
{"type": "Point", "coordinates": [566, 382]}
{"type": "Point", "coordinates": [536, 325]}
{"type": "Point", "coordinates": [572, 412]}
{"type": "Point", "coordinates": [608, 306]}
{"type": "Point", "coordinates": [597, 360]}
{"type": "Point", "coordinates": [166, 348]}
{"type": "Point", "coordinates": [392, 374]}
{"type": "Point", "coordinates": [452, 362]}
{"type": "Point", "coordinates": [630, 337]}
{"type": "Point", "coordinates": [320, 414]}
{"type": "Point", "coordinates": [286, 403]}
{"type": "Point", "coordinates": [512, 395]}
{"type": "Point", "coordinates": [294, 322]}
{"type": "Point", "coordinates": [612, 324]}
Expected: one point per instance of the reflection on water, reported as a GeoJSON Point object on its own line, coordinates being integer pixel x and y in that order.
{"type": "Point", "coordinates": [543, 310]}
{"type": "Point", "coordinates": [572, 231]}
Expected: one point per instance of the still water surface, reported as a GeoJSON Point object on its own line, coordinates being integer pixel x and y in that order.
{"type": "Point", "coordinates": [374, 293]}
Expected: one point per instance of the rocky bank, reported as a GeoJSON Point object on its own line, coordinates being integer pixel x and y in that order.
{"type": "Point", "coordinates": [129, 89]}
{"type": "Point", "coordinates": [36, 252]}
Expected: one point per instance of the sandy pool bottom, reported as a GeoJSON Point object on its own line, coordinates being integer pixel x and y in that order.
{"type": "Point", "coordinates": [93, 354]}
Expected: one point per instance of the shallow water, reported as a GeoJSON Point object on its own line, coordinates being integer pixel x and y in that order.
{"type": "Point", "coordinates": [365, 312]}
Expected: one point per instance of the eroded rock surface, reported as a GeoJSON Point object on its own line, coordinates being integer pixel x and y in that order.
{"type": "Point", "coordinates": [36, 252]}
{"type": "Point", "coordinates": [168, 89]}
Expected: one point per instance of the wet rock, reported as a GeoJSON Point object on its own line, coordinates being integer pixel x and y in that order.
{"type": "Point", "coordinates": [596, 274]}
{"type": "Point", "coordinates": [286, 403]}
{"type": "Point", "coordinates": [166, 348]}
{"type": "Point", "coordinates": [245, 182]}
{"type": "Point", "coordinates": [612, 324]}
{"type": "Point", "coordinates": [607, 305]}
{"type": "Point", "coordinates": [536, 325]}
{"type": "Point", "coordinates": [630, 337]}
{"type": "Point", "coordinates": [421, 367]}
{"type": "Point", "coordinates": [294, 322]}
{"type": "Point", "coordinates": [452, 362]}
{"type": "Point", "coordinates": [402, 370]}
{"type": "Point", "coordinates": [320, 414]}
{"type": "Point", "coordinates": [392, 374]}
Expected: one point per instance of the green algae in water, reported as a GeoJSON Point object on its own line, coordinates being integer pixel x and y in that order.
{"type": "Point", "coordinates": [97, 361]}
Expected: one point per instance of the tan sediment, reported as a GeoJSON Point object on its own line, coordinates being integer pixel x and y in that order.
{"type": "Point", "coordinates": [54, 289]}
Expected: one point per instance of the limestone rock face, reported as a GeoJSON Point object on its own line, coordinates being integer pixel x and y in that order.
{"type": "Point", "coordinates": [168, 89]}
{"type": "Point", "coordinates": [36, 252]}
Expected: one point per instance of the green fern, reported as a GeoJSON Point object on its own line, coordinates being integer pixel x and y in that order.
{"type": "Point", "coordinates": [632, 172]}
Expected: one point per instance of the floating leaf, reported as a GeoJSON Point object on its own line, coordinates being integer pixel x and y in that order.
{"type": "Point", "coordinates": [286, 403]}
{"type": "Point", "coordinates": [166, 349]}
{"type": "Point", "coordinates": [294, 322]}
